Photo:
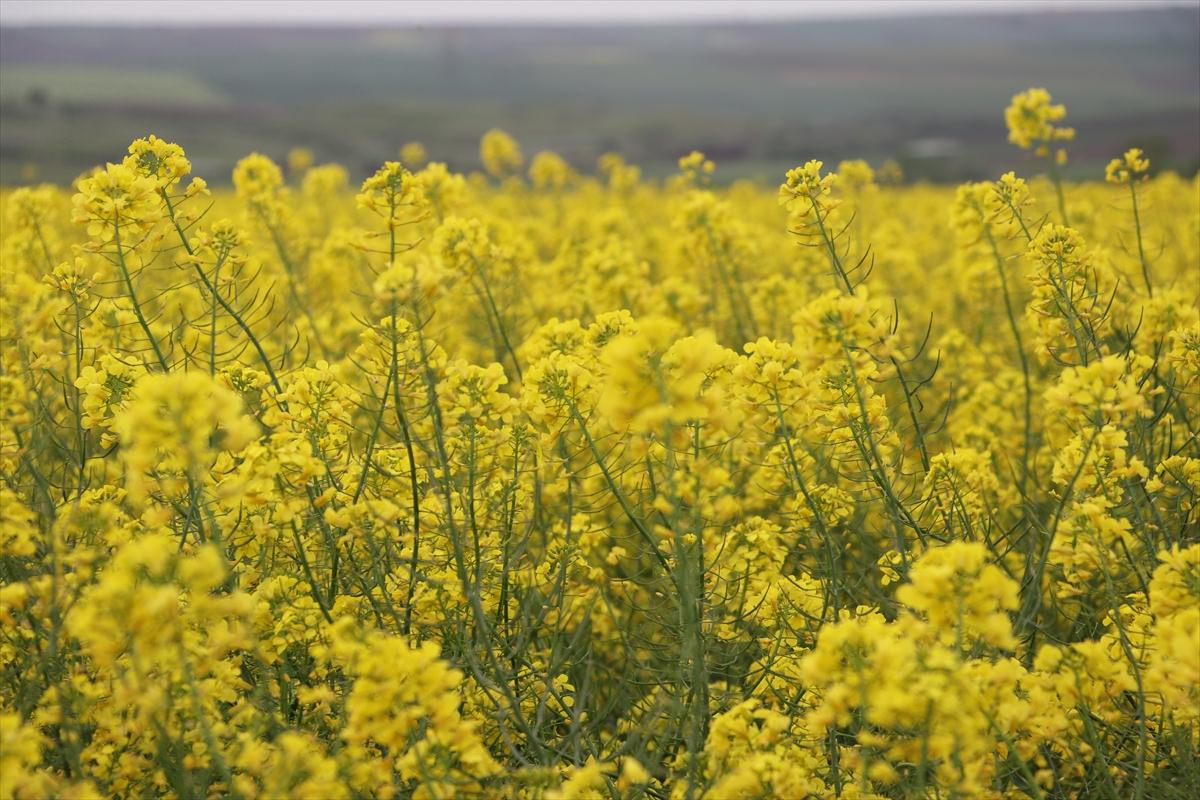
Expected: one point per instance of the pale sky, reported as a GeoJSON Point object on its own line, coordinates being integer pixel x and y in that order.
{"type": "Point", "coordinates": [514, 12]}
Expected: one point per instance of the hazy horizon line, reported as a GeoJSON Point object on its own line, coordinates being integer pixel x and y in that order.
{"type": "Point", "coordinates": [355, 14]}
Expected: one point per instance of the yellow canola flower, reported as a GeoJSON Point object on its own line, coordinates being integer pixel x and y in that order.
{"type": "Point", "coordinates": [118, 202]}
{"type": "Point", "coordinates": [1031, 118]}
{"type": "Point", "coordinates": [162, 161]}
{"type": "Point", "coordinates": [173, 428]}
{"type": "Point", "coordinates": [500, 153]}
{"type": "Point", "coordinates": [1130, 167]}
{"type": "Point", "coordinates": [257, 178]}
{"type": "Point", "coordinates": [962, 595]}
{"type": "Point", "coordinates": [593, 485]}
{"type": "Point", "coordinates": [414, 153]}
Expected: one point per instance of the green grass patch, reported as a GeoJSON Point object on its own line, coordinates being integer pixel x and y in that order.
{"type": "Point", "coordinates": [105, 85]}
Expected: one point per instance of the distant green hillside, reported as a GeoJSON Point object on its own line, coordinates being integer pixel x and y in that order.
{"type": "Point", "coordinates": [757, 97]}
{"type": "Point", "coordinates": [73, 83]}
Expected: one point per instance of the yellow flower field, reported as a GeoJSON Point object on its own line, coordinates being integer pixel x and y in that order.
{"type": "Point", "coordinates": [538, 484]}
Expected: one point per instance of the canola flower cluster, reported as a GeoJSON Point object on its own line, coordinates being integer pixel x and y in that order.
{"type": "Point", "coordinates": [540, 485]}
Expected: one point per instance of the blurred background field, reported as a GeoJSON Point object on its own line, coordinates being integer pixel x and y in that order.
{"type": "Point", "coordinates": [758, 98]}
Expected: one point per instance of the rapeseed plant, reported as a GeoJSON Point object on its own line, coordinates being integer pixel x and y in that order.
{"type": "Point", "coordinates": [542, 485]}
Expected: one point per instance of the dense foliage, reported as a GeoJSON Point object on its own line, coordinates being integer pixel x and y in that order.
{"type": "Point", "coordinates": [532, 484]}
